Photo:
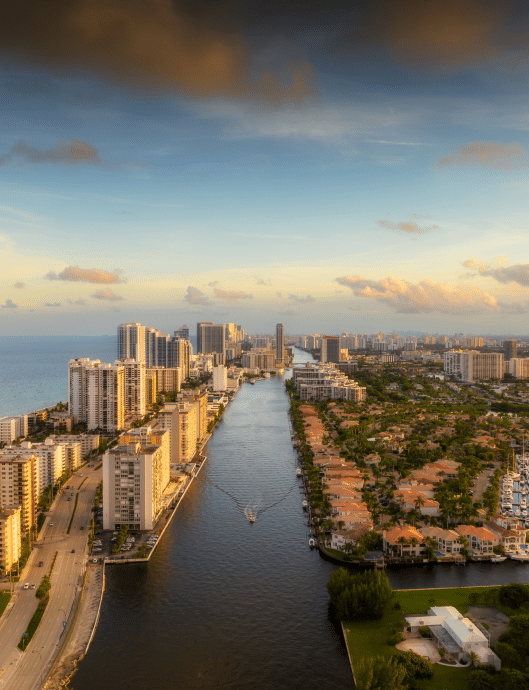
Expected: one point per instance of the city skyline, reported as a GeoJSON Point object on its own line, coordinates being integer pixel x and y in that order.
{"type": "Point", "coordinates": [333, 169]}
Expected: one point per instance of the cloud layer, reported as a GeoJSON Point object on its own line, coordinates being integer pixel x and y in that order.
{"type": "Point", "coordinates": [423, 297]}
{"type": "Point", "coordinates": [9, 304]}
{"type": "Point", "coordinates": [487, 154]}
{"type": "Point", "coordinates": [161, 44]}
{"type": "Point", "coordinates": [408, 226]}
{"type": "Point", "coordinates": [71, 152]}
{"type": "Point", "coordinates": [231, 296]}
{"type": "Point", "coordinates": [85, 275]}
{"type": "Point", "coordinates": [107, 294]}
{"type": "Point", "coordinates": [517, 273]}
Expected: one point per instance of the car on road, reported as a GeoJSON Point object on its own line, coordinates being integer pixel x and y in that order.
{"type": "Point", "coordinates": [67, 487]}
{"type": "Point", "coordinates": [51, 524]}
{"type": "Point", "coordinates": [73, 550]}
{"type": "Point", "coordinates": [32, 586]}
{"type": "Point", "coordinates": [26, 586]}
{"type": "Point", "coordinates": [94, 560]}
{"type": "Point", "coordinates": [41, 563]}
{"type": "Point", "coordinates": [82, 527]}
{"type": "Point", "coordinates": [81, 475]}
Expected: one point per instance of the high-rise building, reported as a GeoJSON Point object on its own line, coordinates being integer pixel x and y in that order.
{"type": "Point", "coordinates": [134, 479]}
{"type": "Point", "coordinates": [200, 335]}
{"type": "Point", "coordinates": [182, 418]}
{"type": "Point", "coordinates": [131, 341]}
{"type": "Point", "coordinates": [134, 386]}
{"type": "Point", "coordinates": [330, 349]}
{"type": "Point", "coordinates": [178, 355]}
{"type": "Point", "coordinates": [96, 392]}
{"type": "Point", "coordinates": [182, 332]}
{"type": "Point", "coordinates": [17, 486]}
{"type": "Point", "coordinates": [510, 349]}
{"type": "Point", "coordinates": [471, 365]}
{"type": "Point", "coordinates": [280, 343]}
{"type": "Point", "coordinates": [12, 428]}
{"type": "Point", "coordinates": [211, 338]}
{"type": "Point", "coordinates": [220, 378]}
{"type": "Point", "coordinates": [10, 538]}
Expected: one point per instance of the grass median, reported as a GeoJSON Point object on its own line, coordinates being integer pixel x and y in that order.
{"type": "Point", "coordinates": [33, 624]}
{"type": "Point", "coordinates": [4, 601]}
{"type": "Point", "coordinates": [73, 514]}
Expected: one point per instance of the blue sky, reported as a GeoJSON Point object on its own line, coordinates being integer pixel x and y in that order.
{"type": "Point", "coordinates": [343, 169]}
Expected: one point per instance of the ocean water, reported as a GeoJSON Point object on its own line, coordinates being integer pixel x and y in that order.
{"type": "Point", "coordinates": [34, 369]}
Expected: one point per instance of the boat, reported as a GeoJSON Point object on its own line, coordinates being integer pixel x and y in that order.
{"type": "Point", "coordinates": [251, 518]}
{"type": "Point", "coordinates": [498, 559]}
{"type": "Point", "coordinates": [520, 557]}
{"type": "Point", "coordinates": [298, 472]}
{"type": "Point", "coordinates": [312, 543]}
{"type": "Point", "coordinates": [305, 504]}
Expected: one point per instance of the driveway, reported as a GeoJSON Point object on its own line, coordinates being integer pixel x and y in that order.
{"type": "Point", "coordinates": [497, 621]}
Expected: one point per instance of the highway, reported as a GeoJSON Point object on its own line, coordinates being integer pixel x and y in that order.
{"type": "Point", "coordinates": [26, 670]}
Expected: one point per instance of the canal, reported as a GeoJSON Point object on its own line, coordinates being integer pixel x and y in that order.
{"type": "Point", "coordinates": [229, 605]}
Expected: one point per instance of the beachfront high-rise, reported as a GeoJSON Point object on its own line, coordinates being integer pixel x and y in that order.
{"type": "Point", "coordinates": [18, 486]}
{"type": "Point", "coordinates": [96, 393]}
{"type": "Point", "coordinates": [131, 341]}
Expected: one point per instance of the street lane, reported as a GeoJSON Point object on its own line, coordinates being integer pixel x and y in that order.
{"type": "Point", "coordinates": [66, 581]}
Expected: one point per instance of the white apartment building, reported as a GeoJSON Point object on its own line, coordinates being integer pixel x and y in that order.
{"type": "Point", "coordinates": [131, 341]}
{"type": "Point", "coordinates": [518, 368]}
{"type": "Point", "coordinates": [470, 365]}
{"type": "Point", "coordinates": [87, 442]}
{"type": "Point", "coordinates": [134, 479]}
{"type": "Point", "coordinates": [10, 538]}
{"type": "Point", "coordinates": [220, 378]}
{"type": "Point", "coordinates": [325, 382]}
{"type": "Point", "coordinates": [12, 428]}
{"type": "Point", "coordinates": [51, 461]}
{"type": "Point", "coordinates": [148, 436]}
{"type": "Point", "coordinates": [259, 358]}
{"type": "Point", "coordinates": [96, 393]}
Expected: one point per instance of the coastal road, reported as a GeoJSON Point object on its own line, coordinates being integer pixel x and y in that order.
{"type": "Point", "coordinates": [23, 670]}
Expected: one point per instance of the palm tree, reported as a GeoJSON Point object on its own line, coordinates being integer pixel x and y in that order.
{"type": "Point", "coordinates": [402, 541]}
{"type": "Point", "coordinates": [419, 502]}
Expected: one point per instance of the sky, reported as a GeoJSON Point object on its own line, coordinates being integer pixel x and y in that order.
{"type": "Point", "coordinates": [336, 166]}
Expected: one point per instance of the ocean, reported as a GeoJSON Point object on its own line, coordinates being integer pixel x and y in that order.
{"type": "Point", "coordinates": [34, 369]}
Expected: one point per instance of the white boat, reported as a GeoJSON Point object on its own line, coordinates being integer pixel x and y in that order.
{"type": "Point", "coordinates": [298, 472]}
{"type": "Point", "coordinates": [312, 543]}
{"type": "Point", "coordinates": [520, 557]}
{"type": "Point", "coordinates": [498, 559]}
{"type": "Point", "coordinates": [305, 504]}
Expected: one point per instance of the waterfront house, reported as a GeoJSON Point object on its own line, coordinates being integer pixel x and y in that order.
{"type": "Point", "coordinates": [403, 541]}
{"type": "Point", "coordinates": [457, 635]}
{"type": "Point", "coordinates": [480, 539]}
{"type": "Point", "coordinates": [448, 540]}
{"type": "Point", "coordinates": [511, 538]}
{"type": "Point", "coordinates": [341, 537]}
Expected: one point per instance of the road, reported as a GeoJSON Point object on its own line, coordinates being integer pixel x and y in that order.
{"type": "Point", "coordinates": [26, 670]}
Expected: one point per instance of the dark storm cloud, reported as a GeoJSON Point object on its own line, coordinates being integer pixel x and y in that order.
{"type": "Point", "coordinates": [199, 48]}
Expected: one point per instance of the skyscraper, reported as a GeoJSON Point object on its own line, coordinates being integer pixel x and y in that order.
{"type": "Point", "coordinates": [131, 341]}
{"type": "Point", "coordinates": [510, 348]}
{"type": "Point", "coordinates": [280, 342]}
{"type": "Point", "coordinates": [330, 349]}
{"type": "Point", "coordinates": [211, 338]}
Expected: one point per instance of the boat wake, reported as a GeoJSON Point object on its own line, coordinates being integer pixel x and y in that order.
{"type": "Point", "coordinates": [252, 510]}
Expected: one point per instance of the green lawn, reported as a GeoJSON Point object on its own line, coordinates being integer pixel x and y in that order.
{"type": "Point", "coordinates": [419, 601]}
{"type": "Point", "coordinates": [369, 638]}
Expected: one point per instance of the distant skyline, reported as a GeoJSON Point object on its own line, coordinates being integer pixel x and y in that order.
{"type": "Point", "coordinates": [336, 167]}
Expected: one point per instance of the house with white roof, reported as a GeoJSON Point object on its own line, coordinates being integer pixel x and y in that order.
{"type": "Point", "coordinates": [457, 635]}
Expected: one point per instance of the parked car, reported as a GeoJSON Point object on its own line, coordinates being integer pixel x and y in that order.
{"type": "Point", "coordinates": [32, 586]}
{"type": "Point", "coordinates": [26, 586]}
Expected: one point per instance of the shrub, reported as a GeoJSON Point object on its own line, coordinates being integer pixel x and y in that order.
{"type": "Point", "coordinates": [424, 631]}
